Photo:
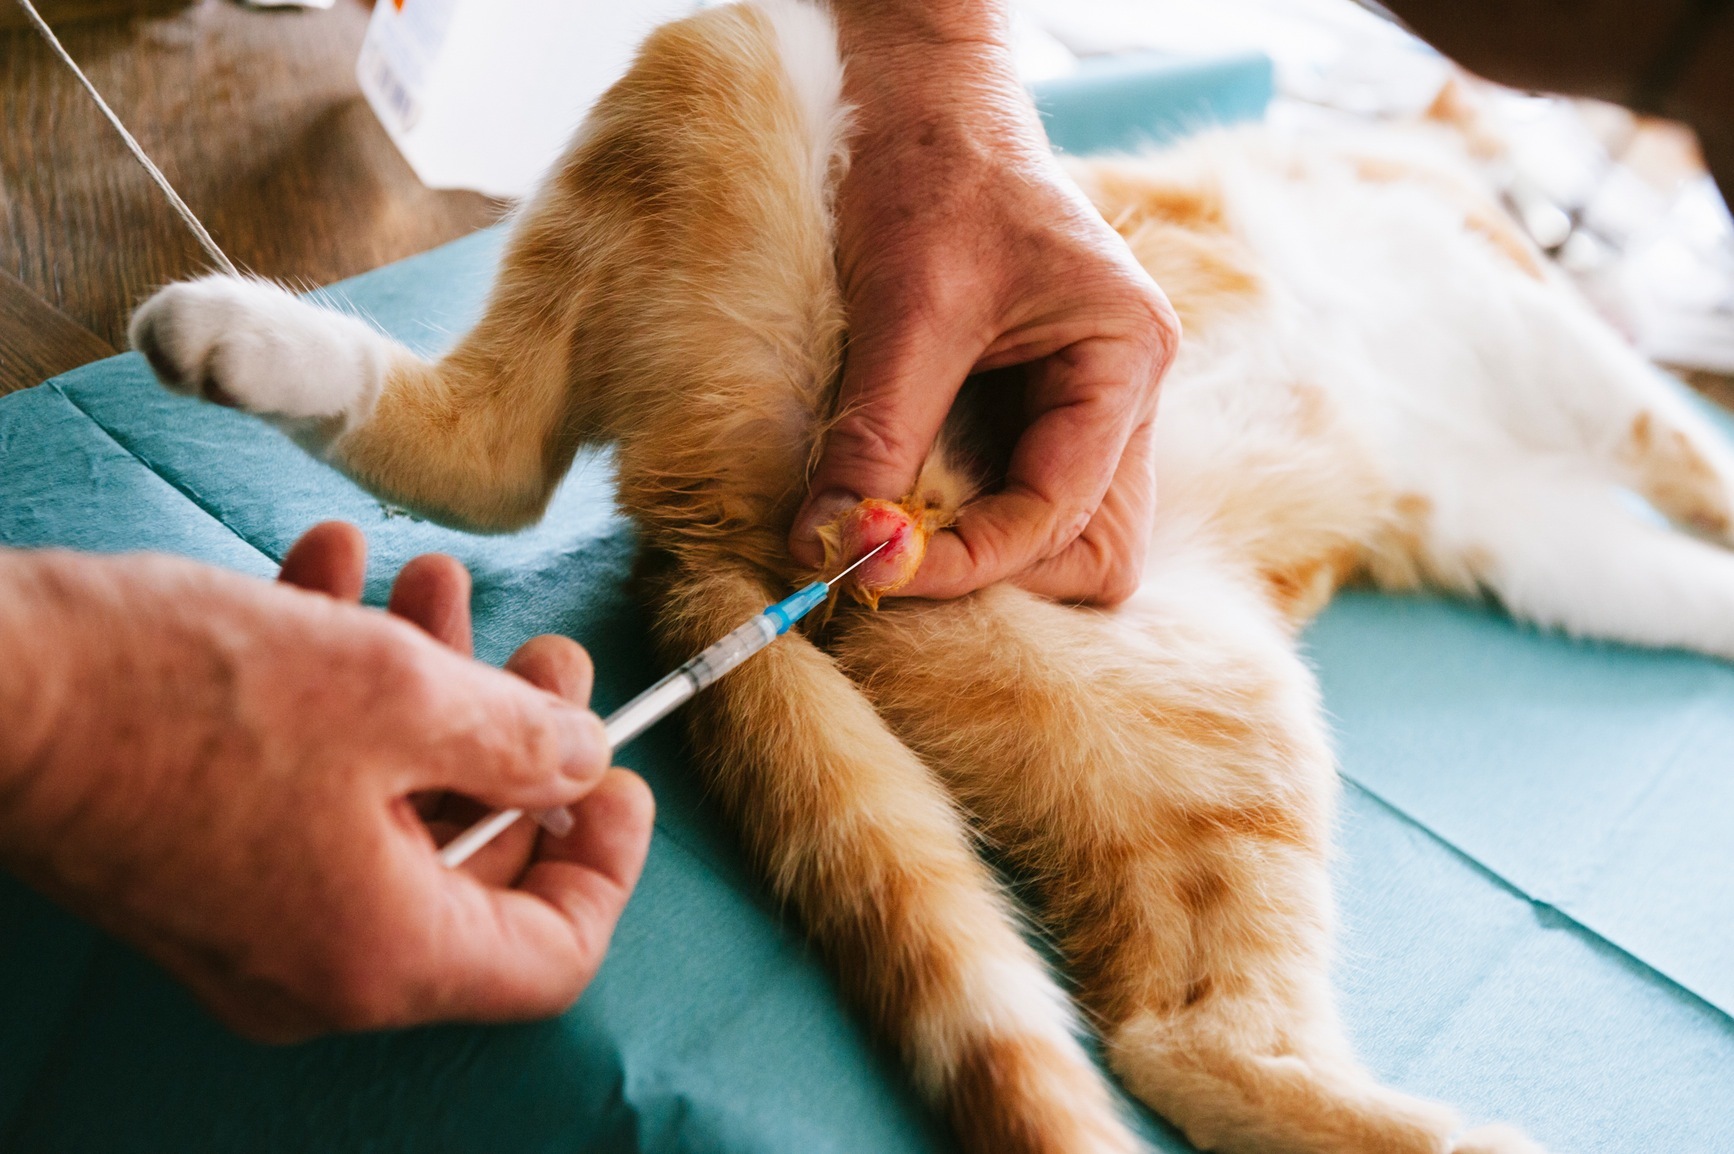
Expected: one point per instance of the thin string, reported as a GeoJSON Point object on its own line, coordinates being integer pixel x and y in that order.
{"type": "Point", "coordinates": [156, 174]}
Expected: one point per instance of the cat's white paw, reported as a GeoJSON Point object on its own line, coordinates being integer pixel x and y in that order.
{"type": "Point", "coordinates": [250, 345]}
{"type": "Point", "coordinates": [1499, 1139]}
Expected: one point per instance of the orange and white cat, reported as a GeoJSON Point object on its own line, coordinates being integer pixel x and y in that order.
{"type": "Point", "coordinates": [1379, 381]}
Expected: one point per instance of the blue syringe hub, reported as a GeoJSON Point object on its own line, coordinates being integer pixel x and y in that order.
{"type": "Point", "coordinates": [797, 605]}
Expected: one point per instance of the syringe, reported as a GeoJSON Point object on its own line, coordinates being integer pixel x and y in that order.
{"type": "Point", "coordinates": [664, 698]}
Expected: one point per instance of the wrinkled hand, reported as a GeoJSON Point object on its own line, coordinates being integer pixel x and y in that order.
{"type": "Point", "coordinates": [227, 774]}
{"type": "Point", "coordinates": [963, 247]}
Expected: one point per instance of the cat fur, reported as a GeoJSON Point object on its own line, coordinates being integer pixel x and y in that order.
{"type": "Point", "coordinates": [1380, 382]}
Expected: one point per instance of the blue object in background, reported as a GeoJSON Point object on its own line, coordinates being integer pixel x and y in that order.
{"type": "Point", "coordinates": [1131, 102]}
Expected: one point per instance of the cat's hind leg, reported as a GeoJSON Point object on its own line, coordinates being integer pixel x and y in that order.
{"type": "Point", "coordinates": [860, 839]}
{"type": "Point", "coordinates": [1565, 549]}
{"type": "Point", "coordinates": [1642, 431]}
{"type": "Point", "coordinates": [1675, 458]}
{"type": "Point", "coordinates": [1162, 778]}
{"type": "Point", "coordinates": [1565, 387]}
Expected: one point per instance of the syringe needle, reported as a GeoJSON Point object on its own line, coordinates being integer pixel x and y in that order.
{"type": "Point", "coordinates": [859, 561]}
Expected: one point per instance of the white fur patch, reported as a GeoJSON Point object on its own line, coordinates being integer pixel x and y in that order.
{"type": "Point", "coordinates": [1000, 996]}
{"type": "Point", "coordinates": [253, 345]}
{"type": "Point", "coordinates": [1496, 1140]}
{"type": "Point", "coordinates": [807, 44]}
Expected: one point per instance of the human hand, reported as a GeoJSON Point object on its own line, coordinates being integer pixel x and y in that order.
{"type": "Point", "coordinates": [963, 247]}
{"type": "Point", "coordinates": [225, 773]}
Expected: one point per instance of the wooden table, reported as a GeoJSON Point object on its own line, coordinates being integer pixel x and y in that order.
{"type": "Point", "coordinates": [255, 117]}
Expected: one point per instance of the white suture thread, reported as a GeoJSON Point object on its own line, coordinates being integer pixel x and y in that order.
{"type": "Point", "coordinates": [156, 174]}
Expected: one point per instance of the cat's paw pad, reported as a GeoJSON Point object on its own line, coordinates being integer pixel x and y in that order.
{"type": "Point", "coordinates": [250, 345]}
{"type": "Point", "coordinates": [1496, 1140]}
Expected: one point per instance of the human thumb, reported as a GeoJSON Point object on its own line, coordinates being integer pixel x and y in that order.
{"type": "Point", "coordinates": [528, 749]}
{"type": "Point", "coordinates": [898, 384]}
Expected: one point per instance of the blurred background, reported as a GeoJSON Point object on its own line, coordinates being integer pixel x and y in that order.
{"type": "Point", "coordinates": [320, 139]}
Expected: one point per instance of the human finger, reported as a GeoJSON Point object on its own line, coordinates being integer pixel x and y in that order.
{"type": "Point", "coordinates": [1085, 400]}
{"type": "Point", "coordinates": [554, 928]}
{"type": "Point", "coordinates": [557, 664]}
{"type": "Point", "coordinates": [433, 592]}
{"type": "Point", "coordinates": [560, 666]}
{"type": "Point", "coordinates": [899, 382]}
{"type": "Point", "coordinates": [329, 558]}
{"type": "Point", "coordinates": [1106, 563]}
{"type": "Point", "coordinates": [589, 872]}
{"type": "Point", "coordinates": [507, 744]}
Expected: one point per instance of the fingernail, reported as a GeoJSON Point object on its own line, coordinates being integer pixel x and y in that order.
{"type": "Point", "coordinates": [586, 754]}
{"type": "Point", "coordinates": [557, 821]}
{"type": "Point", "coordinates": [821, 509]}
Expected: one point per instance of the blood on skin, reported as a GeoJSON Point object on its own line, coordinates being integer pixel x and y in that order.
{"type": "Point", "coordinates": [867, 525]}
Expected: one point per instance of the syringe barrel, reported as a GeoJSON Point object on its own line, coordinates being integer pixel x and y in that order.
{"type": "Point", "coordinates": [652, 706]}
{"type": "Point", "coordinates": [733, 649]}
{"type": "Point", "coordinates": [677, 688]}
{"type": "Point", "coordinates": [648, 708]}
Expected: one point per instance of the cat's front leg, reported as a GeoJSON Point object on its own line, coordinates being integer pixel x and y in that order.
{"type": "Point", "coordinates": [475, 440]}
